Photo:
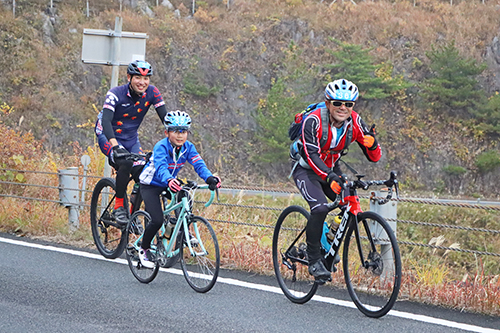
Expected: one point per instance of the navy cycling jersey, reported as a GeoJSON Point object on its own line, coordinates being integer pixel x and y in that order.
{"type": "Point", "coordinates": [128, 110]}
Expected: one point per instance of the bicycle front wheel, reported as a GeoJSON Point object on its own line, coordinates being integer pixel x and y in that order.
{"type": "Point", "coordinates": [372, 265]}
{"type": "Point", "coordinates": [135, 229]}
{"type": "Point", "coordinates": [289, 255]}
{"type": "Point", "coordinates": [109, 237]}
{"type": "Point", "coordinates": [201, 266]}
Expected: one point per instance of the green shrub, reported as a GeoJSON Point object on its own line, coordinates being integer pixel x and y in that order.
{"type": "Point", "coordinates": [489, 116]}
{"type": "Point", "coordinates": [193, 85]}
{"type": "Point", "coordinates": [454, 170]}
{"type": "Point", "coordinates": [488, 161]}
{"type": "Point", "coordinates": [284, 100]}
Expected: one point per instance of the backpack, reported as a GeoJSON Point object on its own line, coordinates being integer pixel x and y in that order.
{"type": "Point", "coordinates": [295, 130]}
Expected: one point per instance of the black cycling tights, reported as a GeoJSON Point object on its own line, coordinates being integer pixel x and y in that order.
{"type": "Point", "coordinates": [315, 191]}
{"type": "Point", "coordinates": [153, 203]}
{"type": "Point", "coordinates": [124, 168]}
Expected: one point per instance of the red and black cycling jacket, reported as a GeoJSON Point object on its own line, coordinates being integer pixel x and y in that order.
{"type": "Point", "coordinates": [322, 159]}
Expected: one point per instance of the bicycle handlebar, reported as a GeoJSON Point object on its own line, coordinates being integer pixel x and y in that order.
{"type": "Point", "coordinates": [191, 185]}
{"type": "Point", "coordinates": [391, 183]}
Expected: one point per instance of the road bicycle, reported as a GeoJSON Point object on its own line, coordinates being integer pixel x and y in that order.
{"type": "Point", "coordinates": [371, 260]}
{"type": "Point", "coordinates": [109, 236]}
{"type": "Point", "coordinates": [191, 240]}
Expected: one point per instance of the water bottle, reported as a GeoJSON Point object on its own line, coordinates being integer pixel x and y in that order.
{"type": "Point", "coordinates": [334, 225]}
{"type": "Point", "coordinates": [170, 227]}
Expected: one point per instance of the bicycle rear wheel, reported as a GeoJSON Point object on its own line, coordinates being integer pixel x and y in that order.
{"type": "Point", "coordinates": [135, 229]}
{"type": "Point", "coordinates": [372, 265]}
{"type": "Point", "coordinates": [200, 268]}
{"type": "Point", "coordinates": [289, 255]}
{"type": "Point", "coordinates": [109, 237]}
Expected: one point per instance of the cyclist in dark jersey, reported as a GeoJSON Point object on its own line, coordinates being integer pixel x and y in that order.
{"type": "Point", "coordinates": [117, 124]}
{"type": "Point", "coordinates": [317, 173]}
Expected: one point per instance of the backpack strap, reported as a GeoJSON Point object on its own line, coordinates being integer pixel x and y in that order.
{"type": "Point", "coordinates": [325, 121]}
{"type": "Point", "coordinates": [348, 139]}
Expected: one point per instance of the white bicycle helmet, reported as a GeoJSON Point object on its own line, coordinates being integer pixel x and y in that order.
{"type": "Point", "coordinates": [341, 89]}
{"type": "Point", "coordinates": [177, 120]}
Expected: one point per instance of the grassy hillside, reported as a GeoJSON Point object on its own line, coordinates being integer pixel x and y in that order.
{"type": "Point", "coordinates": [259, 62]}
{"type": "Point", "coordinates": [228, 67]}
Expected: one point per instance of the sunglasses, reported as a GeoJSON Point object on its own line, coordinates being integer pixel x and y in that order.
{"type": "Point", "coordinates": [178, 129]}
{"type": "Point", "coordinates": [339, 103]}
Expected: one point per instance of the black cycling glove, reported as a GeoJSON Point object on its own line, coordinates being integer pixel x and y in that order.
{"type": "Point", "coordinates": [213, 182]}
{"type": "Point", "coordinates": [119, 152]}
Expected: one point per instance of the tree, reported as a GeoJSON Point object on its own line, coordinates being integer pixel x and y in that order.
{"type": "Point", "coordinates": [374, 81]}
{"type": "Point", "coordinates": [453, 87]}
{"type": "Point", "coordinates": [488, 117]}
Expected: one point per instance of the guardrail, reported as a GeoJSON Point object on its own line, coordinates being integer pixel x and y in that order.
{"type": "Point", "coordinates": [71, 192]}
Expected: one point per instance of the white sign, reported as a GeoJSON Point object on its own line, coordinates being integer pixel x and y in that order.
{"type": "Point", "coordinates": [99, 46]}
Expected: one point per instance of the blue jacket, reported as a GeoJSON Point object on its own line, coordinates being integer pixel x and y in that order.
{"type": "Point", "coordinates": [164, 165]}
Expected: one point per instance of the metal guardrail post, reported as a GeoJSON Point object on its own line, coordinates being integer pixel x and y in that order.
{"type": "Point", "coordinates": [68, 194]}
{"type": "Point", "coordinates": [85, 159]}
{"type": "Point", "coordinates": [388, 210]}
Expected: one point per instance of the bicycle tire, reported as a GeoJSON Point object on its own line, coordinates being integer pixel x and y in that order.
{"type": "Point", "coordinates": [109, 237]}
{"type": "Point", "coordinates": [374, 289]}
{"type": "Point", "coordinates": [292, 275]}
{"type": "Point", "coordinates": [202, 269]}
{"type": "Point", "coordinates": [135, 230]}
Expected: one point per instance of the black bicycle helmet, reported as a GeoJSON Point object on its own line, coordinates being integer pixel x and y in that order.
{"type": "Point", "coordinates": [140, 67]}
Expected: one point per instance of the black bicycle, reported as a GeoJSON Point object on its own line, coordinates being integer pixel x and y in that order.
{"type": "Point", "coordinates": [370, 258]}
{"type": "Point", "coordinates": [109, 236]}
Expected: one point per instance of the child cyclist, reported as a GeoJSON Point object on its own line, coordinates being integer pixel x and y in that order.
{"type": "Point", "coordinates": [169, 156]}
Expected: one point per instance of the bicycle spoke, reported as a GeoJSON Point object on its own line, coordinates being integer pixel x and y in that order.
{"type": "Point", "coordinates": [135, 229]}
{"type": "Point", "coordinates": [289, 255]}
{"type": "Point", "coordinates": [108, 236]}
{"type": "Point", "coordinates": [200, 259]}
{"type": "Point", "coordinates": [372, 265]}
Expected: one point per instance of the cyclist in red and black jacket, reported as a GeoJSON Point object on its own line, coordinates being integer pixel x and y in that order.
{"type": "Point", "coordinates": [117, 124]}
{"type": "Point", "coordinates": [317, 174]}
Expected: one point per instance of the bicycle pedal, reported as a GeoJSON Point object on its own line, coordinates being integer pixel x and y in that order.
{"type": "Point", "coordinates": [322, 281]}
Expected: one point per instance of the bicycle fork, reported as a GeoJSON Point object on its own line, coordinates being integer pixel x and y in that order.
{"type": "Point", "coordinates": [203, 251]}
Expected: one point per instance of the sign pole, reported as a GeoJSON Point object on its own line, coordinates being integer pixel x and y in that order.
{"type": "Point", "coordinates": [115, 54]}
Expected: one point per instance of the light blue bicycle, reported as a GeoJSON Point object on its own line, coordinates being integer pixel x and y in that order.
{"type": "Point", "coordinates": [192, 241]}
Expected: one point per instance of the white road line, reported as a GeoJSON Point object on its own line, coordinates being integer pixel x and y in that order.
{"type": "Point", "coordinates": [262, 287]}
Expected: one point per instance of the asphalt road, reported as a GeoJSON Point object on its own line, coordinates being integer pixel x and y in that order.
{"type": "Point", "coordinates": [52, 288]}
